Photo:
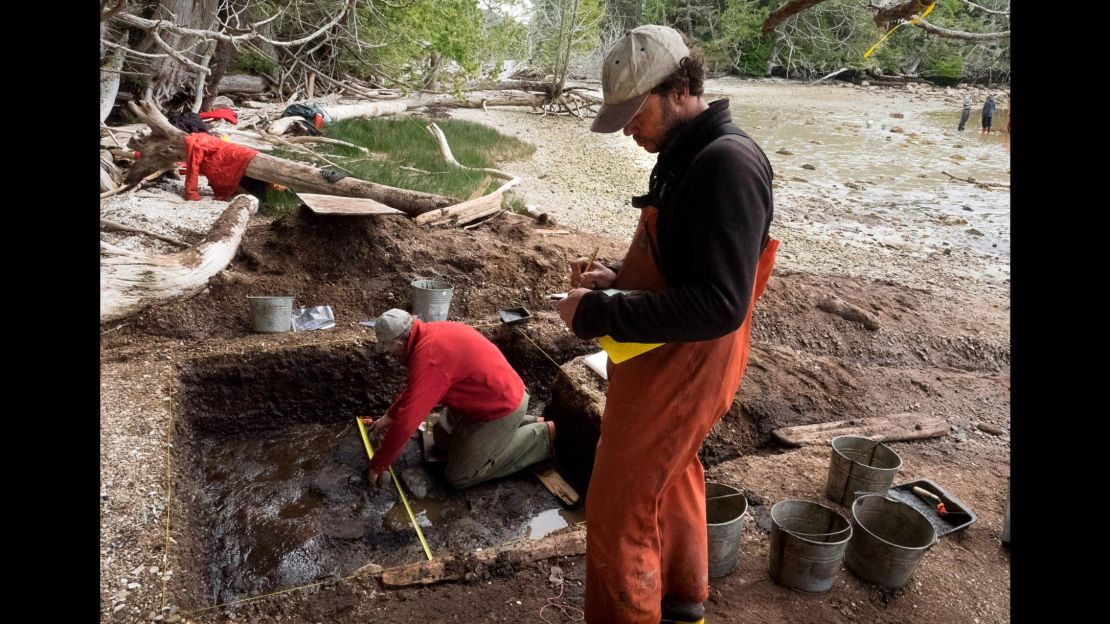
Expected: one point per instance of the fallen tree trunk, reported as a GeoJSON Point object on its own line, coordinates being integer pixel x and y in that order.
{"type": "Point", "coordinates": [241, 83]}
{"type": "Point", "coordinates": [297, 176]}
{"type": "Point", "coordinates": [131, 281]}
{"type": "Point", "coordinates": [456, 567]}
{"type": "Point", "coordinates": [301, 177]}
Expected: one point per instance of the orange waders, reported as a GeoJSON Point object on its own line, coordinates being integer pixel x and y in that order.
{"type": "Point", "coordinates": [645, 509]}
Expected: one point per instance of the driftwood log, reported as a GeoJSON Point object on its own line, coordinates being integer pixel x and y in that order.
{"type": "Point", "coordinates": [455, 567]}
{"type": "Point", "coordinates": [131, 281]}
{"type": "Point", "coordinates": [893, 428]}
{"type": "Point", "coordinates": [242, 83]}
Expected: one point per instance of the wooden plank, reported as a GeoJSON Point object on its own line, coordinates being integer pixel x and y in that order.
{"type": "Point", "coordinates": [336, 205]}
{"type": "Point", "coordinates": [556, 484]}
{"type": "Point", "coordinates": [452, 214]}
{"type": "Point", "coordinates": [893, 428]}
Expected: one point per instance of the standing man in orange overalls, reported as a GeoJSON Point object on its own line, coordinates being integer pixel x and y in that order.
{"type": "Point", "coordinates": [700, 258]}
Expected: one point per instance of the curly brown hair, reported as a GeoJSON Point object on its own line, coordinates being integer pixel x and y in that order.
{"type": "Point", "coordinates": [690, 73]}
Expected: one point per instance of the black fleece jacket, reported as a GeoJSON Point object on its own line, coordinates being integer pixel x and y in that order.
{"type": "Point", "coordinates": [712, 185]}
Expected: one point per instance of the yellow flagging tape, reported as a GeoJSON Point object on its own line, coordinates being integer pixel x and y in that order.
{"type": "Point", "coordinates": [621, 351]}
{"type": "Point", "coordinates": [900, 24]}
{"type": "Point", "coordinates": [397, 484]}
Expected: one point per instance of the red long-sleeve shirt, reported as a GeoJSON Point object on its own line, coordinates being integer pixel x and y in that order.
{"type": "Point", "coordinates": [453, 364]}
{"type": "Point", "coordinates": [221, 162]}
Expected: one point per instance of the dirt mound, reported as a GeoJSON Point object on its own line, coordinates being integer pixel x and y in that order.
{"type": "Point", "coordinates": [361, 266]}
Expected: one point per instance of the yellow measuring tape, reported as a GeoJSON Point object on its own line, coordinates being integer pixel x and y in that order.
{"type": "Point", "coordinates": [901, 24]}
{"type": "Point", "coordinates": [397, 484]}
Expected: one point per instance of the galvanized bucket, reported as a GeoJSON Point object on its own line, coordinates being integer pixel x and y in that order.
{"type": "Point", "coordinates": [889, 540]}
{"type": "Point", "coordinates": [808, 541]}
{"type": "Point", "coordinates": [431, 299]}
{"type": "Point", "coordinates": [271, 315]}
{"type": "Point", "coordinates": [725, 508]}
{"type": "Point", "coordinates": [860, 465]}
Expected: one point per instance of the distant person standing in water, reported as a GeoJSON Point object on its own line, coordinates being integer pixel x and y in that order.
{"type": "Point", "coordinates": [966, 112]}
{"type": "Point", "coordinates": [988, 113]}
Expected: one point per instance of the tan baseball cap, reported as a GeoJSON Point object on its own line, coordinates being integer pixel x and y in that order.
{"type": "Point", "coordinates": [642, 59]}
{"type": "Point", "coordinates": [390, 325]}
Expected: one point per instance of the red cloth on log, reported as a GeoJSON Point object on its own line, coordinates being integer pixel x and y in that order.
{"type": "Point", "coordinates": [221, 113]}
{"type": "Point", "coordinates": [223, 163]}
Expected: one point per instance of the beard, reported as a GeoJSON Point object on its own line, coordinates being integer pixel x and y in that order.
{"type": "Point", "coordinates": [671, 122]}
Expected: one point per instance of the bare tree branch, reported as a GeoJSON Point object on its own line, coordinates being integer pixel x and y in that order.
{"type": "Point", "coordinates": [792, 7]}
{"type": "Point", "coordinates": [128, 50]}
{"type": "Point", "coordinates": [985, 9]}
{"type": "Point", "coordinates": [180, 58]}
{"type": "Point", "coordinates": [113, 12]}
{"type": "Point", "coordinates": [901, 11]}
{"type": "Point", "coordinates": [153, 27]}
{"type": "Point", "coordinates": [945, 33]}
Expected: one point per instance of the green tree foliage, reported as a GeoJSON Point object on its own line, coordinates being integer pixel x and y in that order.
{"type": "Point", "coordinates": [562, 29]}
{"type": "Point", "coordinates": [835, 34]}
{"type": "Point", "coordinates": [741, 47]}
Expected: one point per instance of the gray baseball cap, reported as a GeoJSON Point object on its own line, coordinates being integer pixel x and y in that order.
{"type": "Point", "coordinates": [390, 324]}
{"type": "Point", "coordinates": [642, 59]}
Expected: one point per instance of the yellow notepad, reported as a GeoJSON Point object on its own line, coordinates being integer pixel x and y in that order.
{"type": "Point", "coordinates": [621, 351]}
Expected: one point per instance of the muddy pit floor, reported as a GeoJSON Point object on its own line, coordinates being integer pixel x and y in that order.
{"type": "Point", "coordinates": [943, 349]}
{"type": "Point", "coordinates": [291, 506]}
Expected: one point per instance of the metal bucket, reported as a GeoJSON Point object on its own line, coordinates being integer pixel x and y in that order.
{"type": "Point", "coordinates": [860, 465]}
{"type": "Point", "coordinates": [271, 315]}
{"type": "Point", "coordinates": [725, 508]}
{"type": "Point", "coordinates": [889, 540]}
{"type": "Point", "coordinates": [808, 541]}
{"type": "Point", "coordinates": [431, 299]}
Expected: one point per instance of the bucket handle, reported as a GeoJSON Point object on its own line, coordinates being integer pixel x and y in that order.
{"type": "Point", "coordinates": [800, 534]}
{"type": "Point", "coordinates": [936, 536]}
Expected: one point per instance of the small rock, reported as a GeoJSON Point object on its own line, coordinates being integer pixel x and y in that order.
{"type": "Point", "coordinates": [897, 115]}
{"type": "Point", "coordinates": [371, 569]}
{"type": "Point", "coordinates": [785, 152]}
{"type": "Point", "coordinates": [133, 586]}
{"type": "Point", "coordinates": [416, 481]}
{"type": "Point", "coordinates": [865, 84]}
{"type": "Point", "coordinates": [974, 232]}
{"type": "Point", "coordinates": [991, 429]}
{"type": "Point", "coordinates": [897, 129]}
{"type": "Point", "coordinates": [809, 166]}
{"type": "Point", "coordinates": [118, 608]}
